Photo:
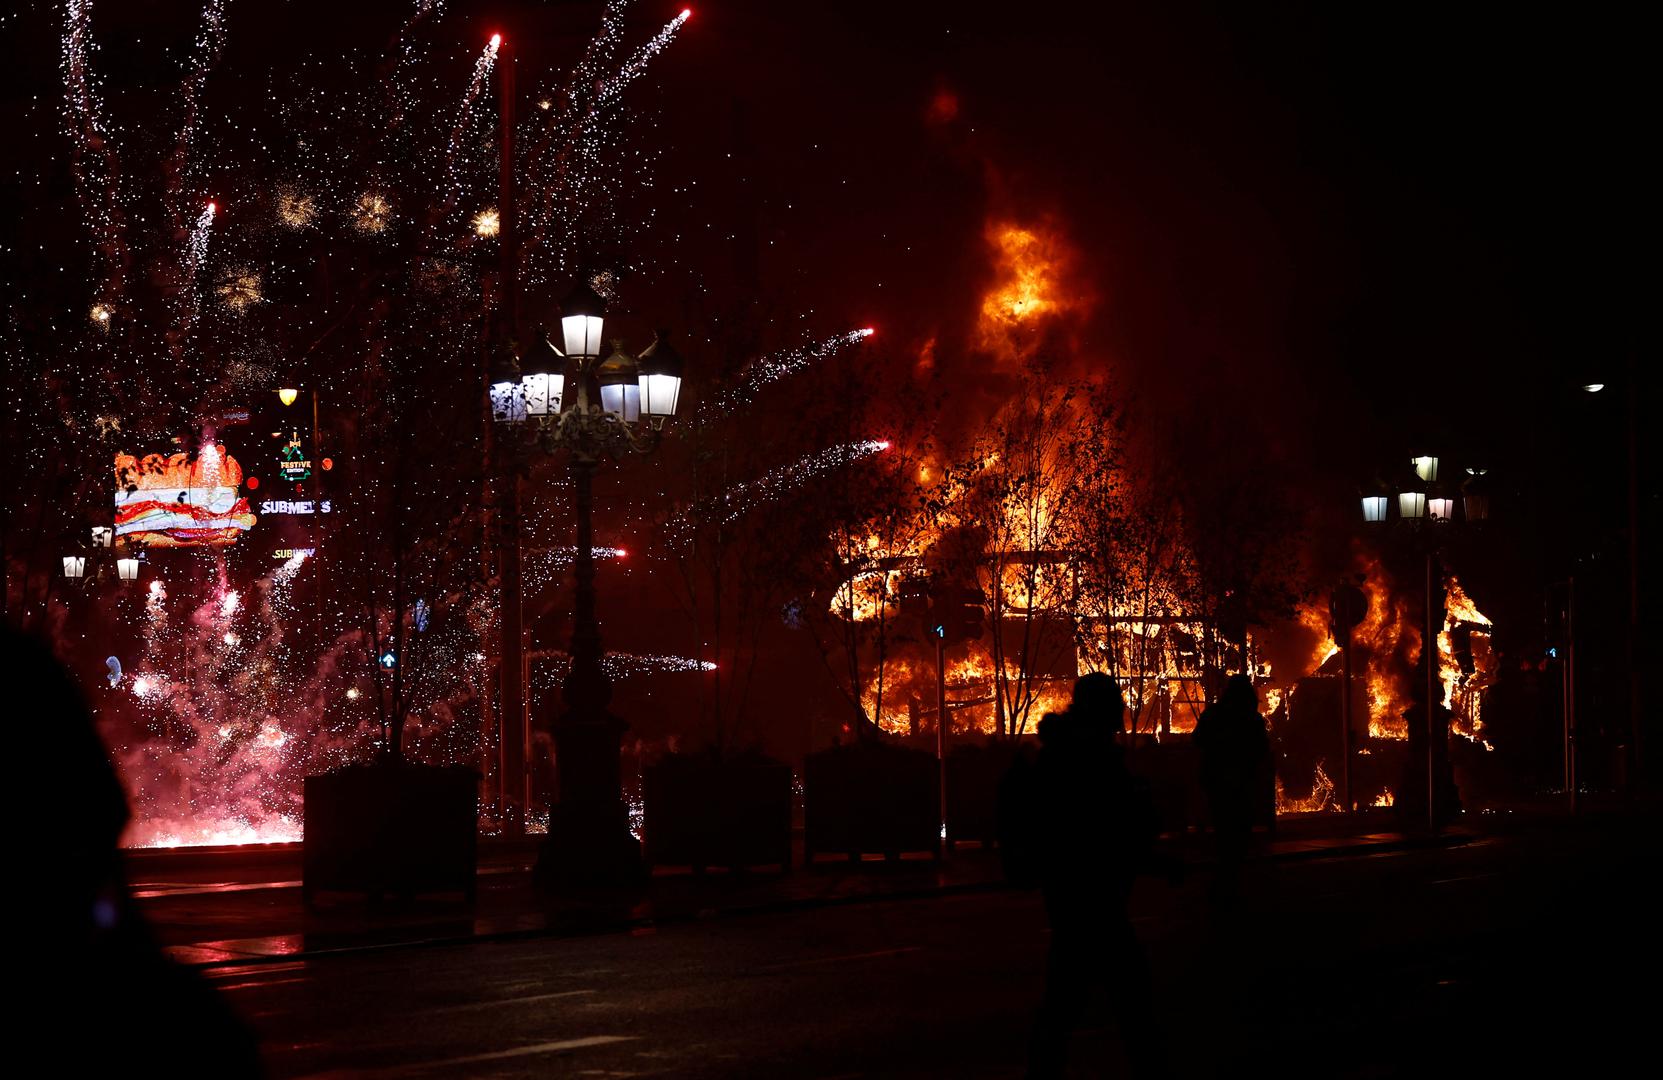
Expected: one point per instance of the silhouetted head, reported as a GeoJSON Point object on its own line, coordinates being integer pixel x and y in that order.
{"type": "Point", "coordinates": [1097, 697]}
{"type": "Point", "coordinates": [89, 807]}
{"type": "Point", "coordinates": [1239, 693]}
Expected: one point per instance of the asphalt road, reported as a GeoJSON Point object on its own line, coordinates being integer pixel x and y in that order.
{"type": "Point", "coordinates": [1527, 952]}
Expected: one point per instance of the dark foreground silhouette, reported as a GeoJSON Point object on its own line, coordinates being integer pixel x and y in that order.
{"type": "Point", "coordinates": [104, 1001]}
{"type": "Point", "coordinates": [1077, 825]}
{"type": "Point", "coordinates": [1234, 749]}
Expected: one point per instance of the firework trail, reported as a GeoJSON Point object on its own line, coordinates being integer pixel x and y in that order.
{"type": "Point", "coordinates": [95, 166]}
{"type": "Point", "coordinates": [611, 89]}
{"type": "Point", "coordinates": [464, 115]}
{"type": "Point", "coordinates": [210, 45]}
{"type": "Point", "coordinates": [624, 665]}
{"type": "Point", "coordinates": [741, 499]}
{"type": "Point", "coordinates": [570, 180]}
{"type": "Point", "coordinates": [196, 256]}
{"type": "Point", "coordinates": [780, 365]}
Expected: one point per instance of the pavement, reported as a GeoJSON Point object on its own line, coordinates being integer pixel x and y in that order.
{"type": "Point", "coordinates": [235, 906]}
{"type": "Point", "coordinates": [1523, 949]}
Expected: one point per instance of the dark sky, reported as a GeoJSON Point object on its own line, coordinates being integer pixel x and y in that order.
{"type": "Point", "coordinates": [1313, 236]}
{"type": "Point", "coordinates": [1320, 201]}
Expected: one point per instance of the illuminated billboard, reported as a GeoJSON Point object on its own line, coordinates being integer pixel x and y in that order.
{"type": "Point", "coordinates": [175, 500]}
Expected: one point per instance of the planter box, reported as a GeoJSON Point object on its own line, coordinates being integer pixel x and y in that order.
{"type": "Point", "coordinates": [707, 812]}
{"type": "Point", "coordinates": [974, 773]}
{"type": "Point", "coordinates": [391, 828]}
{"type": "Point", "coordinates": [871, 798]}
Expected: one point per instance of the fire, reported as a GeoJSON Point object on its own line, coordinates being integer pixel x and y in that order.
{"type": "Point", "coordinates": [1384, 799]}
{"type": "Point", "coordinates": [1463, 683]}
{"type": "Point", "coordinates": [1031, 262]}
{"type": "Point", "coordinates": [1322, 796]}
{"type": "Point", "coordinates": [1388, 641]}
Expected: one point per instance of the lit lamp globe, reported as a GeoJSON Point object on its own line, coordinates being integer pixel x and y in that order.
{"type": "Point", "coordinates": [1411, 505]}
{"type": "Point", "coordinates": [659, 379]}
{"type": "Point", "coordinates": [75, 567]}
{"type": "Point", "coordinates": [1377, 500]}
{"type": "Point", "coordinates": [1440, 505]}
{"type": "Point", "coordinates": [508, 402]}
{"type": "Point", "coordinates": [543, 376]}
{"type": "Point", "coordinates": [127, 568]}
{"type": "Point", "coordinates": [102, 535]}
{"type": "Point", "coordinates": [1426, 467]}
{"type": "Point", "coordinates": [287, 395]}
{"type": "Point", "coordinates": [582, 317]}
{"type": "Point", "coordinates": [620, 384]}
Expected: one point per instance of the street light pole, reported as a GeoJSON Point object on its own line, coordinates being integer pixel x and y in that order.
{"type": "Point", "coordinates": [514, 736]}
{"type": "Point", "coordinates": [613, 405]}
{"type": "Point", "coordinates": [1429, 655]}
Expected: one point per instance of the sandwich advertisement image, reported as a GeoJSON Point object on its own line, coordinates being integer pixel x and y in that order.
{"type": "Point", "coordinates": [181, 499]}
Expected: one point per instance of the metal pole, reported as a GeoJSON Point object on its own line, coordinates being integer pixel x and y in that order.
{"type": "Point", "coordinates": [1429, 656]}
{"type": "Point", "coordinates": [941, 728]}
{"type": "Point", "coordinates": [1570, 691]}
{"type": "Point", "coordinates": [1636, 734]}
{"type": "Point", "coordinates": [513, 743]}
{"type": "Point", "coordinates": [1345, 715]}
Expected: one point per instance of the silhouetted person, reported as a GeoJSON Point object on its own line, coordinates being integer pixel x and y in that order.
{"type": "Point", "coordinates": [129, 1010]}
{"type": "Point", "coordinates": [1090, 828]}
{"type": "Point", "coordinates": [1234, 749]}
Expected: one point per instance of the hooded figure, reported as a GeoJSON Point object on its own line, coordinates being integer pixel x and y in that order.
{"type": "Point", "coordinates": [1234, 749]}
{"type": "Point", "coordinates": [1092, 828]}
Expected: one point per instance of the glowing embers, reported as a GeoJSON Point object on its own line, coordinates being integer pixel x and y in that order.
{"type": "Point", "coordinates": [487, 223]}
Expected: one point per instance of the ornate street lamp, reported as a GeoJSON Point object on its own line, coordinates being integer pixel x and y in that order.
{"type": "Point", "coordinates": [1424, 500]}
{"type": "Point", "coordinates": [608, 407]}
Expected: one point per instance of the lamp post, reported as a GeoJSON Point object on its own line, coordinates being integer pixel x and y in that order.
{"type": "Point", "coordinates": [611, 405]}
{"type": "Point", "coordinates": [1430, 507]}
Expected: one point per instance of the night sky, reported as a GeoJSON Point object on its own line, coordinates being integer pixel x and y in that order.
{"type": "Point", "coordinates": [1303, 241]}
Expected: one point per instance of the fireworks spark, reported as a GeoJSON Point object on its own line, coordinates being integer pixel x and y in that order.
{"type": "Point", "coordinates": [95, 166]}
{"type": "Point", "coordinates": [487, 223]}
{"type": "Point", "coordinates": [296, 209]}
{"type": "Point", "coordinates": [781, 365]}
{"type": "Point", "coordinates": [239, 289]}
{"type": "Point", "coordinates": [464, 116]}
{"type": "Point", "coordinates": [741, 499]}
{"type": "Point", "coordinates": [636, 65]}
{"type": "Point", "coordinates": [373, 213]}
